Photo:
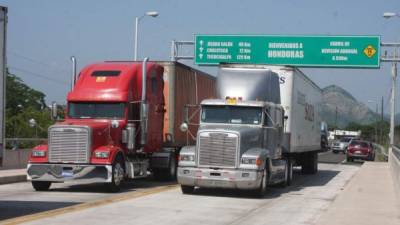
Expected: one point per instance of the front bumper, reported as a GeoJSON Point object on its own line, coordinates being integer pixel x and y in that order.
{"type": "Point", "coordinates": [338, 148]}
{"type": "Point", "coordinates": [221, 178]}
{"type": "Point", "coordinates": [359, 156]}
{"type": "Point", "coordinates": [69, 172]}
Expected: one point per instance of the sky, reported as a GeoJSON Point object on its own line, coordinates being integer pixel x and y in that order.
{"type": "Point", "coordinates": [44, 34]}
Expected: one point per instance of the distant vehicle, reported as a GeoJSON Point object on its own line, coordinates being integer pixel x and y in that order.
{"type": "Point", "coordinates": [324, 136]}
{"type": "Point", "coordinates": [341, 144]}
{"type": "Point", "coordinates": [360, 150]}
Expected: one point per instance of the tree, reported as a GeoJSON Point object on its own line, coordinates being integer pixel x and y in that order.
{"type": "Point", "coordinates": [24, 103]}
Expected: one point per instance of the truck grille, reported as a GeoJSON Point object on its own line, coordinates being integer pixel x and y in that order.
{"type": "Point", "coordinates": [217, 149]}
{"type": "Point", "coordinates": [69, 144]}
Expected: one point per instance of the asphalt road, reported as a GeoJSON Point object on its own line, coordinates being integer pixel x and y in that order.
{"type": "Point", "coordinates": [329, 157]}
{"type": "Point", "coordinates": [302, 203]}
{"type": "Point", "coordinates": [20, 199]}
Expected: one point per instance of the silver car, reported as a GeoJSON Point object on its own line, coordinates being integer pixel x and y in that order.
{"type": "Point", "coordinates": [341, 145]}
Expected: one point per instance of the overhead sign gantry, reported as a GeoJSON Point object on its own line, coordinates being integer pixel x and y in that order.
{"type": "Point", "coordinates": [301, 51]}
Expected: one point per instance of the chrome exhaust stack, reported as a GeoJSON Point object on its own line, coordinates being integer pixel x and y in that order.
{"type": "Point", "coordinates": [73, 77]}
{"type": "Point", "coordinates": [144, 106]}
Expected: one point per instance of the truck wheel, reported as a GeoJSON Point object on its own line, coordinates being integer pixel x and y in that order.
{"type": "Point", "coordinates": [168, 173]}
{"type": "Point", "coordinates": [309, 163]}
{"type": "Point", "coordinates": [349, 159]}
{"type": "Point", "coordinates": [118, 173]}
{"type": "Point", "coordinates": [289, 172]}
{"type": "Point", "coordinates": [171, 173]}
{"type": "Point", "coordinates": [187, 189]}
{"type": "Point", "coordinates": [41, 185]}
{"type": "Point", "coordinates": [260, 191]}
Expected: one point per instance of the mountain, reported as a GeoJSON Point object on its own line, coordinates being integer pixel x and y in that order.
{"type": "Point", "coordinates": [348, 108]}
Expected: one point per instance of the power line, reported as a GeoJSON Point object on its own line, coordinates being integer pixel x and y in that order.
{"type": "Point", "coordinates": [39, 75]}
{"type": "Point", "coordinates": [36, 61]}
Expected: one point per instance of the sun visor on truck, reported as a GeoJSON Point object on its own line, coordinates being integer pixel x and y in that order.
{"type": "Point", "coordinates": [249, 84]}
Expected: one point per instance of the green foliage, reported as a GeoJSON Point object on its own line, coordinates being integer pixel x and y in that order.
{"type": "Point", "coordinates": [368, 131]}
{"type": "Point", "coordinates": [22, 104]}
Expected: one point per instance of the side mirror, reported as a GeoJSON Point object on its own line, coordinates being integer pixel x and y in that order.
{"type": "Point", "coordinates": [286, 117]}
{"type": "Point", "coordinates": [184, 127]}
{"type": "Point", "coordinates": [54, 112]}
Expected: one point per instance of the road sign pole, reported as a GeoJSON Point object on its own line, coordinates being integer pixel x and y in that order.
{"type": "Point", "coordinates": [393, 104]}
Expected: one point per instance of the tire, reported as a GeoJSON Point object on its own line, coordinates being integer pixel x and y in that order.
{"type": "Point", "coordinates": [167, 174]}
{"type": "Point", "coordinates": [309, 163]}
{"type": "Point", "coordinates": [289, 173]}
{"type": "Point", "coordinates": [262, 189]}
{"type": "Point", "coordinates": [187, 189]}
{"type": "Point", "coordinates": [349, 159]}
{"type": "Point", "coordinates": [171, 173]}
{"type": "Point", "coordinates": [372, 157]}
{"type": "Point", "coordinates": [118, 173]}
{"type": "Point", "coordinates": [41, 185]}
{"type": "Point", "coordinates": [335, 152]}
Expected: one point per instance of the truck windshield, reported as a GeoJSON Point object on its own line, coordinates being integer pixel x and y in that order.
{"type": "Point", "coordinates": [95, 110]}
{"type": "Point", "coordinates": [231, 114]}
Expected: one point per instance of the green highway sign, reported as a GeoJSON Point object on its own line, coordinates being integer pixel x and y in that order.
{"type": "Point", "coordinates": [301, 51]}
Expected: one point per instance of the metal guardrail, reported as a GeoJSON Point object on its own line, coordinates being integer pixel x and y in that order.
{"type": "Point", "coordinates": [394, 164]}
{"type": "Point", "coordinates": [16, 143]}
{"type": "Point", "coordinates": [381, 151]}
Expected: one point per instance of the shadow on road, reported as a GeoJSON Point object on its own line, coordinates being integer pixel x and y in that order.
{"type": "Point", "coordinates": [15, 208]}
{"type": "Point", "coordinates": [300, 181]}
{"type": "Point", "coordinates": [127, 186]}
{"type": "Point", "coordinates": [12, 209]}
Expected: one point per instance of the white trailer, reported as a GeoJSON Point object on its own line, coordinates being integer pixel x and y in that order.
{"type": "Point", "coordinates": [301, 99]}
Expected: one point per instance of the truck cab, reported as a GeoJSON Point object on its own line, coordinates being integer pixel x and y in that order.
{"type": "Point", "coordinates": [114, 121]}
{"type": "Point", "coordinates": [239, 141]}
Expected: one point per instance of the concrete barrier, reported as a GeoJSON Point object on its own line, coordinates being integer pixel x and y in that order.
{"type": "Point", "coordinates": [16, 159]}
{"type": "Point", "coordinates": [394, 163]}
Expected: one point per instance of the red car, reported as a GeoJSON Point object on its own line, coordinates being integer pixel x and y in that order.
{"type": "Point", "coordinates": [360, 150]}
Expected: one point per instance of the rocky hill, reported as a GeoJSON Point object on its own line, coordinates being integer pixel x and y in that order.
{"type": "Point", "coordinates": [348, 108]}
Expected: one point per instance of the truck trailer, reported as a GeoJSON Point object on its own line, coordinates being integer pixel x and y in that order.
{"type": "Point", "coordinates": [264, 122]}
{"type": "Point", "coordinates": [122, 121]}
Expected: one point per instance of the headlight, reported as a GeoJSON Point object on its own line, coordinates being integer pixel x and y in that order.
{"type": "Point", "coordinates": [186, 158]}
{"type": "Point", "coordinates": [251, 161]}
{"type": "Point", "coordinates": [102, 155]}
{"type": "Point", "coordinates": [38, 153]}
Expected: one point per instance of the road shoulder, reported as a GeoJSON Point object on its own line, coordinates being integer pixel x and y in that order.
{"type": "Point", "coordinates": [369, 198]}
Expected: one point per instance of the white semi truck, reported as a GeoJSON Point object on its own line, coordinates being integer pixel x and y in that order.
{"type": "Point", "coordinates": [264, 122]}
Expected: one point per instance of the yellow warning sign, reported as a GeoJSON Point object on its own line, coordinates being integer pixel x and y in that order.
{"type": "Point", "coordinates": [369, 51]}
{"type": "Point", "coordinates": [101, 79]}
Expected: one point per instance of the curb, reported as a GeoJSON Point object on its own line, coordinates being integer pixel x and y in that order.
{"type": "Point", "coordinates": [12, 179]}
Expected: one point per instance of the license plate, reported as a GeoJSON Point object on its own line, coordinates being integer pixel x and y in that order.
{"type": "Point", "coordinates": [358, 152]}
{"type": "Point", "coordinates": [67, 173]}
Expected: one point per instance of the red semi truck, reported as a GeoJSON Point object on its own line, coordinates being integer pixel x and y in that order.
{"type": "Point", "coordinates": [119, 125]}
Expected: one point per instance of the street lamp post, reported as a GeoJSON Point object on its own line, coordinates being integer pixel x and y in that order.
{"type": "Point", "coordinates": [388, 15]}
{"type": "Point", "coordinates": [150, 13]}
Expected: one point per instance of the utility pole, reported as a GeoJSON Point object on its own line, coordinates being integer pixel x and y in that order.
{"type": "Point", "coordinates": [381, 124]}
{"type": "Point", "coordinates": [393, 102]}
{"type": "Point", "coordinates": [376, 123]}
{"type": "Point", "coordinates": [336, 118]}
